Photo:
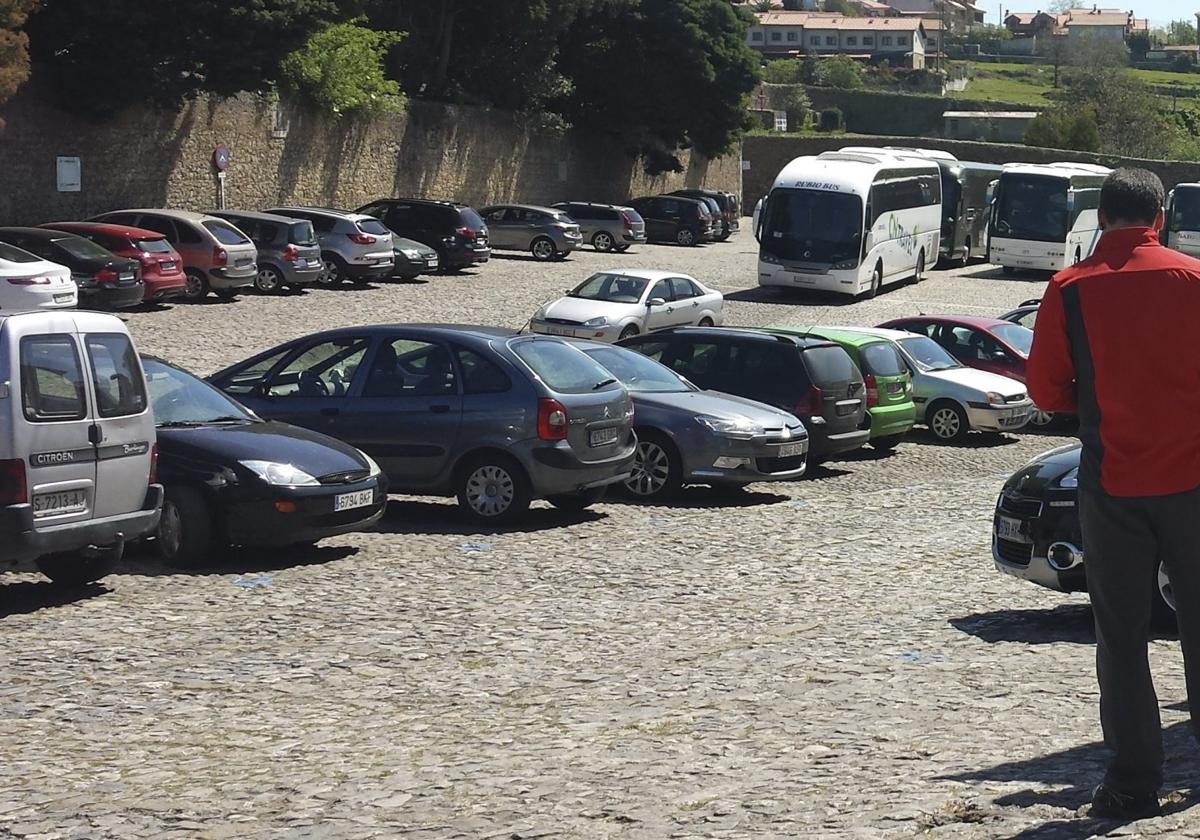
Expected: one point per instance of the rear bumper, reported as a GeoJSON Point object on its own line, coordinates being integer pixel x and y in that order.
{"type": "Point", "coordinates": [160, 288]}
{"type": "Point", "coordinates": [634, 238]}
{"type": "Point", "coordinates": [555, 468]}
{"type": "Point", "coordinates": [825, 445]}
{"type": "Point", "coordinates": [458, 256]}
{"type": "Point", "coordinates": [112, 297]}
{"type": "Point", "coordinates": [20, 540]}
{"type": "Point", "coordinates": [892, 419]}
{"type": "Point", "coordinates": [232, 277]}
{"type": "Point", "coordinates": [296, 276]}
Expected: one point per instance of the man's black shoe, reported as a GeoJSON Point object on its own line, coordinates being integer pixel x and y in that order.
{"type": "Point", "coordinates": [1114, 804]}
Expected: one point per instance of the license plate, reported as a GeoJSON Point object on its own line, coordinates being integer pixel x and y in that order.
{"type": "Point", "coordinates": [64, 298]}
{"type": "Point", "coordinates": [431, 262]}
{"type": "Point", "coordinates": [242, 263]}
{"type": "Point", "coordinates": [349, 501]}
{"type": "Point", "coordinates": [167, 266]}
{"type": "Point", "coordinates": [560, 331]}
{"type": "Point", "coordinates": [126, 276]}
{"type": "Point", "coordinates": [895, 387]}
{"type": "Point", "coordinates": [803, 279]}
{"type": "Point", "coordinates": [64, 501]}
{"type": "Point", "coordinates": [1009, 529]}
{"type": "Point", "coordinates": [601, 437]}
{"type": "Point", "coordinates": [789, 450]}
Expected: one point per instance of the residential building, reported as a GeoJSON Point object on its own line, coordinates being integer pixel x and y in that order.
{"type": "Point", "coordinates": [901, 40]}
{"type": "Point", "coordinates": [957, 15]}
{"type": "Point", "coordinates": [1117, 24]}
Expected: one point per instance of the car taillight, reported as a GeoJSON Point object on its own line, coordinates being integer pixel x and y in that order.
{"type": "Point", "coordinates": [811, 404]}
{"type": "Point", "coordinates": [29, 281]}
{"type": "Point", "coordinates": [220, 256]}
{"type": "Point", "coordinates": [291, 253]}
{"type": "Point", "coordinates": [625, 220]}
{"type": "Point", "coordinates": [552, 420]}
{"type": "Point", "coordinates": [153, 464]}
{"type": "Point", "coordinates": [13, 490]}
{"type": "Point", "coordinates": [148, 260]}
{"type": "Point", "coordinates": [362, 238]}
{"type": "Point", "coordinates": [106, 275]}
{"type": "Point", "coordinates": [872, 390]}
{"type": "Point", "coordinates": [465, 232]}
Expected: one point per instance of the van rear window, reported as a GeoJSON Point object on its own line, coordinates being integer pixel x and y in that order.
{"type": "Point", "coordinates": [830, 365]}
{"type": "Point", "coordinates": [51, 380]}
{"type": "Point", "coordinates": [881, 359]}
{"type": "Point", "coordinates": [116, 374]}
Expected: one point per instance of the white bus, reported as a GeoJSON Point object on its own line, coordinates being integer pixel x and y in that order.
{"type": "Point", "coordinates": [1045, 216]}
{"type": "Point", "coordinates": [1181, 230]}
{"type": "Point", "coordinates": [849, 222]}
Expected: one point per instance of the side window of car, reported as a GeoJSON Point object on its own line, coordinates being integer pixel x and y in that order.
{"type": "Point", "coordinates": [323, 224]}
{"type": "Point", "coordinates": [377, 209]}
{"type": "Point", "coordinates": [51, 379]}
{"type": "Point", "coordinates": [701, 362]}
{"type": "Point", "coordinates": [247, 380]}
{"type": "Point", "coordinates": [409, 368]}
{"type": "Point", "coordinates": [252, 229]}
{"type": "Point", "coordinates": [671, 209]}
{"type": "Point", "coordinates": [116, 375]}
{"type": "Point", "coordinates": [188, 235]}
{"type": "Point", "coordinates": [496, 216]}
{"type": "Point", "coordinates": [654, 349]}
{"type": "Point", "coordinates": [120, 219]}
{"type": "Point", "coordinates": [682, 288]}
{"type": "Point", "coordinates": [325, 369]}
{"type": "Point", "coordinates": [761, 371]}
{"type": "Point", "coordinates": [399, 218]}
{"type": "Point", "coordinates": [662, 289]}
{"type": "Point", "coordinates": [160, 225]}
{"type": "Point", "coordinates": [480, 375]}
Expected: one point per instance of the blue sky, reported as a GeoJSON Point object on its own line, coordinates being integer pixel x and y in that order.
{"type": "Point", "coordinates": [1158, 11]}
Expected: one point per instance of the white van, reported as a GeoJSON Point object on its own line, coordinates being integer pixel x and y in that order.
{"type": "Point", "coordinates": [77, 444]}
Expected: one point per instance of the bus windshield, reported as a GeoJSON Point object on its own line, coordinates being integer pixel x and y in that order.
{"type": "Point", "coordinates": [813, 226]}
{"type": "Point", "coordinates": [1032, 207]}
{"type": "Point", "coordinates": [1185, 209]}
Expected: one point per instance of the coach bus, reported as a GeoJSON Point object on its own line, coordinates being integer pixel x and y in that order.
{"type": "Point", "coordinates": [849, 222]}
{"type": "Point", "coordinates": [1181, 229]}
{"type": "Point", "coordinates": [1045, 216]}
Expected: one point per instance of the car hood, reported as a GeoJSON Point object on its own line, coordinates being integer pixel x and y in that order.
{"type": "Point", "coordinates": [578, 309]}
{"type": "Point", "coordinates": [716, 404]}
{"type": "Point", "coordinates": [1044, 471]}
{"type": "Point", "coordinates": [313, 452]}
{"type": "Point", "coordinates": [980, 380]}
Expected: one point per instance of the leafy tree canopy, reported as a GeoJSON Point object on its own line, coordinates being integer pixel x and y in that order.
{"type": "Point", "coordinates": [14, 46]}
{"type": "Point", "coordinates": [340, 70]}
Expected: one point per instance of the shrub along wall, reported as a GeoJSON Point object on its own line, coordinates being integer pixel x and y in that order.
{"type": "Point", "coordinates": [148, 158]}
{"type": "Point", "coordinates": [882, 112]}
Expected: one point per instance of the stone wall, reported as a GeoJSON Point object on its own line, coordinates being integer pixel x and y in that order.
{"type": "Point", "coordinates": [889, 113]}
{"type": "Point", "coordinates": [147, 158]}
{"type": "Point", "coordinates": [767, 155]}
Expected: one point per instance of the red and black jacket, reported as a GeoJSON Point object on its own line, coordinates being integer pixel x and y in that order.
{"type": "Point", "coordinates": [1117, 341]}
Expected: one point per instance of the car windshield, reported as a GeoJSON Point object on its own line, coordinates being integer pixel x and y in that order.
{"type": "Point", "coordinates": [927, 354]}
{"type": "Point", "coordinates": [812, 226]}
{"type": "Point", "coordinates": [225, 233]}
{"type": "Point", "coordinates": [561, 367]}
{"type": "Point", "coordinates": [158, 245]}
{"type": "Point", "coordinates": [82, 249]}
{"type": "Point", "coordinates": [12, 254]}
{"type": "Point", "coordinates": [1016, 336]}
{"type": "Point", "coordinates": [640, 374]}
{"type": "Point", "coordinates": [180, 399]}
{"type": "Point", "coordinates": [614, 288]}
{"type": "Point", "coordinates": [1032, 207]}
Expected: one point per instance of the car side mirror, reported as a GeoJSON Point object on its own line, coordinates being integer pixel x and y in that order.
{"type": "Point", "coordinates": [653, 302]}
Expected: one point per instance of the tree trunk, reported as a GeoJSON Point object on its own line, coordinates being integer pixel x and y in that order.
{"type": "Point", "coordinates": [446, 37]}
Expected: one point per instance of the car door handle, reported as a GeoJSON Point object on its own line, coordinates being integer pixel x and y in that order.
{"type": "Point", "coordinates": [331, 412]}
{"type": "Point", "coordinates": [440, 409]}
{"type": "Point", "coordinates": [695, 303]}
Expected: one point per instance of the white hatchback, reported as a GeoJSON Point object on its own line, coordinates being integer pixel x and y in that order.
{"type": "Point", "coordinates": [614, 305]}
{"type": "Point", "coordinates": [29, 282]}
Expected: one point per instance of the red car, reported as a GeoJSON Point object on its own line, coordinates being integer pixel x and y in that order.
{"type": "Point", "coordinates": [985, 343]}
{"type": "Point", "coordinates": [162, 267]}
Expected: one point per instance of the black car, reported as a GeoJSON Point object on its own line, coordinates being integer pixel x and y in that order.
{"type": "Point", "coordinates": [1035, 528]}
{"type": "Point", "coordinates": [454, 230]}
{"type": "Point", "coordinates": [727, 205]}
{"type": "Point", "coordinates": [672, 218]}
{"type": "Point", "coordinates": [234, 479]}
{"type": "Point", "coordinates": [813, 378]}
{"type": "Point", "coordinates": [104, 279]}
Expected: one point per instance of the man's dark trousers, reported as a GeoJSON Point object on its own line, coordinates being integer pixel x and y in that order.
{"type": "Point", "coordinates": [1124, 540]}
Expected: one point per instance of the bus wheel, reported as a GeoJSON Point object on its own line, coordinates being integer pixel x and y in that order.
{"type": "Point", "coordinates": [1078, 255]}
{"type": "Point", "coordinates": [920, 275]}
{"type": "Point", "coordinates": [876, 281]}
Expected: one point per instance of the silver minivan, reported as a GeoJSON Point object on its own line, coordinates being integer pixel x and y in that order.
{"type": "Point", "coordinates": [77, 444]}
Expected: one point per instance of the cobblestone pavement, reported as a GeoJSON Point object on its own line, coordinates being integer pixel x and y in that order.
{"type": "Point", "coordinates": [829, 658]}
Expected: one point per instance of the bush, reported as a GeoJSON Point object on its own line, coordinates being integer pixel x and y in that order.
{"type": "Point", "coordinates": [1183, 63]}
{"type": "Point", "coordinates": [830, 120]}
{"type": "Point", "coordinates": [1062, 129]}
{"type": "Point", "coordinates": [784, 71]}
{"type": "Point", "coordinates": [840, 71]}
{"type": "Point", "coordinates": [340, 70]}
{"type": "Point", "coordinates": [793, 100]}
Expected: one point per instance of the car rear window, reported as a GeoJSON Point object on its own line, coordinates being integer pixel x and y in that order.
{"type": "Point", "coordinates": [634, 216]}
{"type": "Point", "coordinates": [153, 246]}
{"type": "Point", "coordinates": [470, 218]}
{"type": "Point", "coordinates": [82, 249]}
{"type": "Point", "coordinates": [116, 374]}
{"type": "Point", "coordinates": [225, 233]}
{"type": "Point", "coordinates": [829, 365]}
{"type": "Point", "coordinates": [51, 380]}
{"type": "Point", "coordinates": [12, 254]}
{"type": "Point", "coordinates": [881, 359]}
{"type": "Point", "coordinates": [562, 368]}
{"type": "Point", "coordinates": [373, 226]}
{"type": "Point", "coordinates": [302, 233]}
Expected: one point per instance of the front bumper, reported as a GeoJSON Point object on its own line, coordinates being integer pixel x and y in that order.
{"type": "Point", "coordinates": [21, 540]}
{"type": "Point", "coordinates": [1001, 418]}
{"type": "Point", "coordinates": [112, 297]}
{"type": "Point", "coordinates": [406, 267]}
{"type": "Point", "coordinates": [554, 468]}
{"type": "Point", "coordinates": [608, 333]}
{"type": "Point", "coordinates": [721, 459]}
{"type": "Point", "coordinates": [1042, 522]}
{"type": "Point", "coordinates": [258, 521]}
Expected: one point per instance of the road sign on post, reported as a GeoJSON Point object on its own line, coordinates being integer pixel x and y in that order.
{"type": "Point", "coordinates": [220, 157]}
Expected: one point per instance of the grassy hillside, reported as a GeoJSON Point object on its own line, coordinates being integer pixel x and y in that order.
{"type": "Point", "coordinates": [1029, 83]}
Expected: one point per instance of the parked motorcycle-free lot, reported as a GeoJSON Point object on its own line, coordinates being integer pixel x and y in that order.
{"type": "Point", "coordinates": [829, 657]}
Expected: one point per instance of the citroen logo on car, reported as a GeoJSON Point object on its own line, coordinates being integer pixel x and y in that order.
{"type": "Point", "coordinates": [606, 415]}
{"type": "Point", "coordinates": [807, 254]}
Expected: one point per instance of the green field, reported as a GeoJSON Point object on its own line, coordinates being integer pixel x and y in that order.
{"type": "Point", "coordinates": [1028, 84]}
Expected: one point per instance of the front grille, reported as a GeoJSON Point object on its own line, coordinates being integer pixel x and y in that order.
{"type": "Point", "coordinates": [1021, 506]}
{"type": "Point", "coordinates": [778, 465]}
{"type": "Point", "coordinates": [1019, 554]}
{"type": "Point", "coordinates": [565, 321]}
{"type": "Point", "coordinates": [347, 477]}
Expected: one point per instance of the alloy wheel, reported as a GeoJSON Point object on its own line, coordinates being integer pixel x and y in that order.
{"type": "Point", "coordinates": [543, 249]}
{"type": "Point", "coordinates": [331, 274]}
{"type": "Point", "coordinates": [267, 280]}
{"type": "Point", "coordinates": [193, 286]}
{"type": "Point", "coordinates": [651, 468]}
{"type": "Point", "coordinates": [945, 423]}
{"type": "Point", "coordinates": [1041, 418]}
{"type": "Point", "coordinates": [685, 237]}
{"type": "Point", "coordinates": [602, 241]}
{"type": "Point", "coordinates": [490, 490]}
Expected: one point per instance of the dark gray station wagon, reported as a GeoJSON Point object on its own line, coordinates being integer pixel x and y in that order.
{"type": "Point", "coordinates": [494, 418]}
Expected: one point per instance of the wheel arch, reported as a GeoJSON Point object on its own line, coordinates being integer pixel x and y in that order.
{"type": "Point", "coordinates": [490, 450]}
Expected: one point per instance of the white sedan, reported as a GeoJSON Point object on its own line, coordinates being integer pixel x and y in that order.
{"type": "Point", "coordinates": [613, 305]}
{"type": "Point", "coordinates": [30, 282]}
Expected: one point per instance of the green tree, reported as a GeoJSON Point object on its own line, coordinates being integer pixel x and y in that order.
{"type": "Point", "coordinates": [1126, 111]}
{"type": "Point", "coordinates": [1092, 53]}
{"type": "Point", "coordinates": [1046, 130]}
{"type": "Point", "coordinates": [1083, 133]}
{"type": "Point", "coordinates": [340, 70]}
{"type": "Point", "coordinates": [988, 36]}
{"type": "Point", "coordinates": [783, 71]}
{"type": "Point", "coordinates": [14, 46]}
{"type": "Point", "coordinates": [1139, 45]}
{"type": "Point", "coordinates": [1181, 32]}
{"type": "Point", "coordinates": [840, 71]}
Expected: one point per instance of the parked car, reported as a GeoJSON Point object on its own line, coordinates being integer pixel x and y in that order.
{"type": "Point", "coordinates": [689, 436]}
{"type": "Point", "coordinates": [105, 281]}
{"type": "Point", "coordinates": [613, 305]}
{"type": "Point", "coordinates": [546, 233]}
{"type": "Point", "coordinates": [454, 230]}
{"type": "Point", "coordinates": [162, 266]}
{"type": "Point", "coordinates": [495, 418]}
{"type": "Point", "coordinates": [29, 282]}
{"type": "Point", "coordinates": [77, 444]}
{"type": "Point", "coordinates": [606, 227]}
{"type": "Point", "coordinates": [727, 206]}
{"type": "Point", "coordinates": [216, 256]}
{"type": "Point", "coordinates": [1036, 534]}
{"type": "Point", "coordinates": [670, 218]}
{"type": "Point", "coordinates": [289, 255]}
{"type": "Point", "coordinates": [354, 246]}
{"type": "Point", "coordinates": [719, 232]}
{"type": "Point", "coordinates": [231, 478]}
{"type": "Point", "coordinates": [1025, 314]}
{"type": "Point", "coordinates": [412, 258]}
{"type": "Point", "coordinates": [812, 378]}
{"type": "Point", "coordinates": [888, 383]}
{"type": "Point", "coordinates": [952, 399]}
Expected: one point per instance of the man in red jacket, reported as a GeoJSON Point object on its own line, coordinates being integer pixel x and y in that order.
{"type": "Point", "coordinates": [1115, 344]}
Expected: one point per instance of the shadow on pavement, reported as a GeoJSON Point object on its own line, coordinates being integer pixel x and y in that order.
{"type": "Point", "coordinates": [702, 497]}
{"type": "Point", "coordinates": [409, 516]}
{"type": "Point", "coordinates": [142, 561]}
{"type": "Point", "coordinates": [995, 272]}
{"type": "Point", "coordinates": [1066, 623]}
{"type": "Point", "coordinates": [26, 597]}
{"type": "Point", "coordinates": [791, 297]}
{"type": "Point", "coordinates": [975, 440]}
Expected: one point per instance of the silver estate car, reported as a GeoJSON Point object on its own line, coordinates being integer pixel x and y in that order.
{"type": "Point", "coordinates": [353, 246]}
{"type": "Point", "coordinates": [607, 227]}
{"type": "Point", "coordinates": [689, 436]}
{"type": "Point", "coordinates": [545, 232]}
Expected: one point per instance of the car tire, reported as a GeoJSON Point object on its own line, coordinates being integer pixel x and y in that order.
{"type": "Point", "coordinates": [705, 322]}
{"type": "Point", "coordinates": [74, 569]}
{"type": "Point", "coordinates": [493, 489]}
{"type": "Point", "coordinates": [268, 280]}
{"type": "Point", "coordinates": [886, 443]}
{"type": "Point", "coordinates": [603, 241]}
{"type": "Point", "coordinates": [657, 467]}
{"type": "Point", "coordinates": [196, 287]}
{"type": "Point", "coordinates": [1162, 613]}
{"type": "Point", "coordinates": [334, 271]}
{"type": "Point", "coordinates": [184, 536]}
{"type": "Point", "coordinates": [227, 294]}
{"type": "Point", "coordinates": [1008, 270]}
{"type": "Point", "coordinates": [948, 421]}
{"type": "Point", "coordinates": [919, 275]}
{"type": "Point", "coordinates": [620, 249]}
{"type": "Point", "coordinates": [876, 282]}
{"type": "Point", "coordinates": [543, 249]}
{"type": "Point", "coordinates": [685, 237]}
{"type": "Point", "coordinates": [577, 502]}
{"type": "Point", "coordinates": [628, 332]}
{"type": "Point", "coordinates": [1042, 419]}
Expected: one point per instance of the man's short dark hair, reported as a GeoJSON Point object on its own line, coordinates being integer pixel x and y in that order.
{"type": "Point", "coordinates": [1131, 196]}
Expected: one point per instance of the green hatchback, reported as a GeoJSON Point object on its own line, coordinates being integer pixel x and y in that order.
{"type": "Point", "coordinates": [889, 385]}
